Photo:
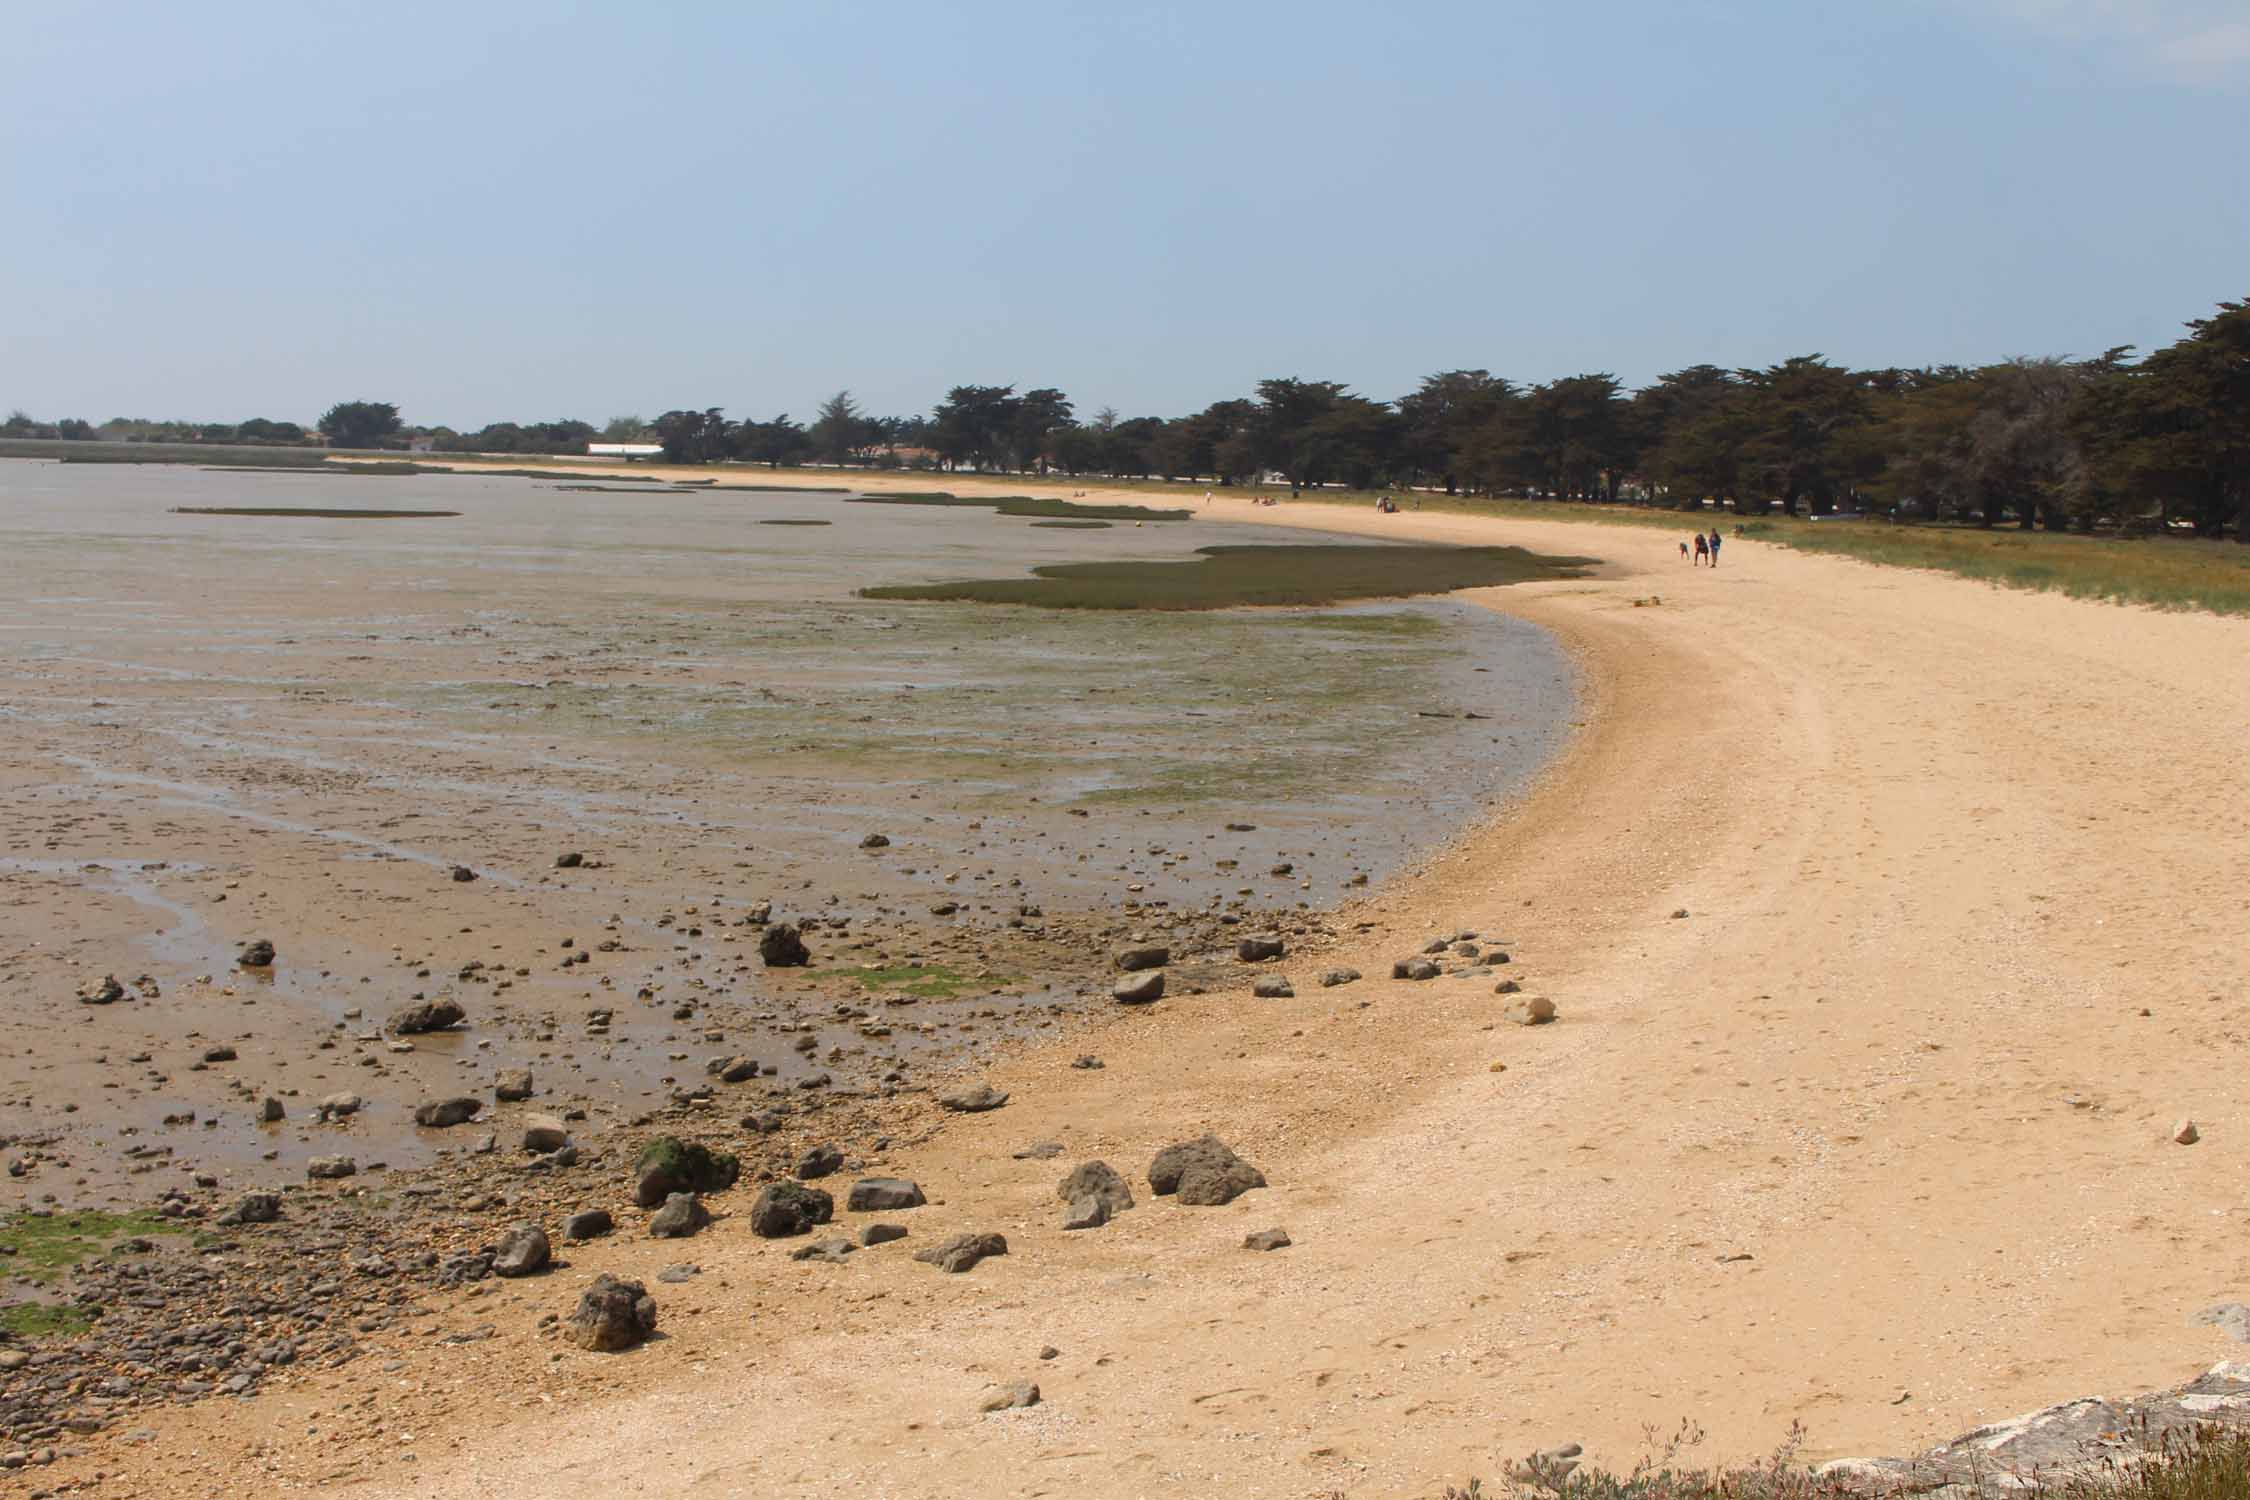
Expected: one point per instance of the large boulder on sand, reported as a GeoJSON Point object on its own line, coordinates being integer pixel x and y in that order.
{"type": "Point", "coordinates": [612, 1315]}
{"type": "Point", "coordinates": [1204, 1172]}
{"type": "Point", "coordinates": [787, 1208]}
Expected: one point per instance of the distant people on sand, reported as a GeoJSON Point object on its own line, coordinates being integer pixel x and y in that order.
{"type": "Point", "coordinates": [1387, 506]}
{"type": "Point", "coordinates": [1702, 549]}
{"type": "Point", "coordinates": [1683, 552]}
{"type": "Point", "coordinates": [1714, 546]}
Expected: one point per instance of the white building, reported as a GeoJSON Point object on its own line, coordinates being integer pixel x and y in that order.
{"type": "Point", "coordinates": [623, 450]}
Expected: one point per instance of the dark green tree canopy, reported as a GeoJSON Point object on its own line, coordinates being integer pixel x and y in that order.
{"type": "Point", "coordinates": [359, 424]}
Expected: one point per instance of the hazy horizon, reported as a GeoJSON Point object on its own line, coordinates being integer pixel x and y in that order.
{"type": "Point", "coordinates": [527, 212]}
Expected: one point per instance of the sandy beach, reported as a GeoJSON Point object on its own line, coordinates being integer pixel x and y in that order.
{"type": "Point", "coordinates": [1892, 921]}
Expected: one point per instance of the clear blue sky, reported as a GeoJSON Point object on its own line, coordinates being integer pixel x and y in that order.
{"type": "Point", "coordinates": [527, 209]}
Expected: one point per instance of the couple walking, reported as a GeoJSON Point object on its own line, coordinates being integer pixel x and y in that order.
{"type": "Point", "coordinates": [1706, 548]}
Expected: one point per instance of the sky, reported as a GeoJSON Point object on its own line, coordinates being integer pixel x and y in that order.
{"type": "Point", "coordinates": [530, 209]}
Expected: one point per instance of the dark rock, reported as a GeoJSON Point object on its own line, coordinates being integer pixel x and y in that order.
{"type": "Point", "coordinates": [1253, 950]}
{"type": "Point", "coordinates": [818, 1162]}
{"type": "Point", "coordinates": [513, 1086]}
{"type": "Point", "coordinates": [1333, 977]}
{"type": "Point", "coordinates": [429, 1015]}
{"type": "Point", "coordinates": [875, 841]}
{"type": "Point", "coordinates": [736, 1069]}
{"type": "Point", "coordinates": [1414, 968]}
{"type": "Point", "coordinates": [1150, 986]}
{"type": "Point", "coordinates": [1097, 1179]}
{"type": "Point", "coordinates": [462, 874]}
{"type": "Point", "coordinates": [271, 1110]}
{"type": "Point", "coordinates": [1273, 987]}
{"type": "Point", "coordinates": [787, 1208]}
{"type": "Point", "coordinates": [876, 1195]}
{"type": "Point", "coordinates": [1039, 1151]}
{"type": "Point", "coordinates": [329, 1168]}
{"type": "Point", "coordinates": [683, 1214]}
{"type": "Point", "coordinates": [882, 1234]}
{"type": "Point", "coordinates": [830, 1250]}
{"type": "Point", "coordinates": [783, 947]}
{"type": "Point", "coordinates": [975, 1102]}
{"type": "Point", "coordinates": [1143, 956]}
{"type": "Point", "coordinates": [962, 1251]}
{"type": "Point", "coordinates": [569, 861]}
{"type": "Point", "coordinates": [1267, 1239]}
{"type": "Point", "coordinates": [1202, 1172]}
{"type": "Point", "coordinates": [669, 1165]}
{"type": "Point", "coordinates": [258, 955]}
{"type": "Point", "coordinates": [218, 1054]}
{"type": "Point", "coordinates": [588, 1224]}
{"type": "Point", "coordinates": [108, 992]}
{"type": "Point", "coordinates": [1506, 987]}
{"type": "Point", "coordinates": [255, 1208]}
{"type": "Point", "coordinates": [1086, 1061]}
{"type": "Point", "coordinates": [1088, 1212]}
{"type": "Point", "coordinates": [612, 1315]}
{"type": "Point", "coordinates": [440, 1114]}
{"type": "Point", "coordinates": [523, 1251]}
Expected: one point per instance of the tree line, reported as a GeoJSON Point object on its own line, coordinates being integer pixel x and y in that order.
{"type": "Point", "coordinates": [2061, 443]}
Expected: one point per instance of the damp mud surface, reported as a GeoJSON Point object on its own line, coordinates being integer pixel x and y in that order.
{"type": "Point", "coordinates": [565, 758]}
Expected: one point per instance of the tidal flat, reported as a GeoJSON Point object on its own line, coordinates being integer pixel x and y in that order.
{"type": "Point", "coordinates": [565, 757]}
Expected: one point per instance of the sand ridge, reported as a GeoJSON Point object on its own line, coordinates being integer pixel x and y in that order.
{"type": "Point", "coordinates": [1940, 846]}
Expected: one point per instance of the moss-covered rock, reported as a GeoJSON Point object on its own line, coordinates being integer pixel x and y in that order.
{"type": "Point", "coordinates": [669, 1165]}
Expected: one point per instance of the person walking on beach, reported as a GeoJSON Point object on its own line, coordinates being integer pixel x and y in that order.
{"type": "Point", "coordinates": [1702, 549]}
{"type": "Point", "coordinates": [1714, 546]}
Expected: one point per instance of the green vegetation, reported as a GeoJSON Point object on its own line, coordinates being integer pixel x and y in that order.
{"type": "Point", "coordinates": [45, 1320]}
{"type": "Point", "coordinates": [330, 513]}
{"type": "Point", "coordinates": [359, 424]}
{"type": "Point", "coordinates": [924, 981]}
{"type": "Point", "coordinates": [2168, 573]}
{"type": "Point", "coordinates": [40, 1247]}
{"type": "Point", "coordinates": [691, 1164]}
{"type": "Point", "coordinates": [1228, 576]}
{"type": "Point", "coordinates": [1027, 505]}
{"type": "Point", "coordinates": [1078, 525]}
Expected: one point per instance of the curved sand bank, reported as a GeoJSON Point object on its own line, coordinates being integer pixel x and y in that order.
{"type": "Point", "coordinates": [1940, 846]}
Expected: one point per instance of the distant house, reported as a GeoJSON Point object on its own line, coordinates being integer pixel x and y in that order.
{"type": "Point", "coordinates": [623, 450]}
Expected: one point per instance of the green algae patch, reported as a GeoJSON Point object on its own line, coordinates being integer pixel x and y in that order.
{"type": "Point", "coordinates": [923, 981]}
{"type": "Point", "coordinates": [46, 1320]}
{"type": "Point", "coordinates": [1225, 577]}
{"type": "Point", "coordinates": [691, 1165]}
{"type": "Point", "coordinates": [40, 1247]}
{"type": "Point", "coordinates": [329, 513]}
{"type": "Point", "coordinates": [1024, 505]}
